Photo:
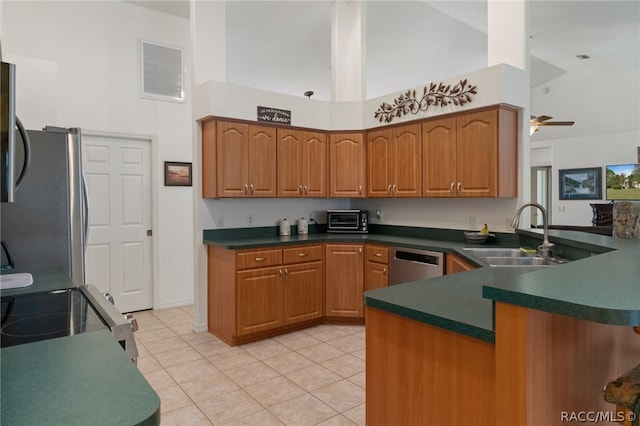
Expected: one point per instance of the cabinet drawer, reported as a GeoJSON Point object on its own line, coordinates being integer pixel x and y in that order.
{"type": "Point", "coordinates": [302, 254]}
{"type": "Point", "coordinates": [377, 254]}
{"type": "Point", "coordinates": [259, 259]}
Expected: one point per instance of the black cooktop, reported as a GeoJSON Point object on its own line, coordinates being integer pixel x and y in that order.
{"type": "Point", "coordinates": [40, 316]}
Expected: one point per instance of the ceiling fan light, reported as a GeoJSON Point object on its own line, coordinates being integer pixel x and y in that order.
{"type": "Point", "coordinates": [532, 129]}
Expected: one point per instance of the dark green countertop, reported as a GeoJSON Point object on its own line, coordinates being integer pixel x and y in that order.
{"type": "Point", "coordinates": [74, 380]}
{"type": "Point", "coordinates": [85, 379]}
{"type": "Point", "coordinates": [603, 288]}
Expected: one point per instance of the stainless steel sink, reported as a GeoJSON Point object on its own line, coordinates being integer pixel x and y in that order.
{"type": "Point", "coordinates": [512, 257]}
{"type": "Point", "coordinates": [495, 252]}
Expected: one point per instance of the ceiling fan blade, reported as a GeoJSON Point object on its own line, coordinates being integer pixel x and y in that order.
{"type": "Point", "coordinates": [557, 123]}
{"type": "Point", "coordinates": [542, 118]}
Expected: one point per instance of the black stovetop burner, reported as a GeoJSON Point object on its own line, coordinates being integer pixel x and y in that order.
{"type": "Point", "coordinates": [33, 317]}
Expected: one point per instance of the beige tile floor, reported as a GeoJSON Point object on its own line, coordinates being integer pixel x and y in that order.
{"type": "Point", "coordinates": [314, 376]}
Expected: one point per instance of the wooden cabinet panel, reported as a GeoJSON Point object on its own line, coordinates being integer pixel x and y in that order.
{"type": "Point", "coordinates": [346, 165]}
{"type": "Point", "coordinates": [344, 280]}
{"type": "Point", "coordinates": [209, 181]}
{"type": "Point", "coordinates": [262, 161]}
{"type": "Point", "coordinates": [394, 164]}
{"type": "Point", "coordinates": [259, 293]}
{"type": "Point", "coordinates": [302, 292]}
{"type": "Point", "coordinates": [302, 254]}
{"type": "Point", "coordinates": [302, 163]}
{"type": "Point", "coordinates": [454, 264]}
{"type": "Point", "coordinates": [232, 159]}
{"type": "Point", "coordinates": [379, 173]}
{"type": "Point", "coordinates": [471, 155]}
{"type": "Point", "coordinates": [439, 158]}
{"type": "Point", "coordinates": [259, 258]}
{"type": "Point", "coordinates": [477, 154]}
{"type": "Point", "coordinates": [377, 267]}
{"type": "Point", "coordinates": [314, 164]}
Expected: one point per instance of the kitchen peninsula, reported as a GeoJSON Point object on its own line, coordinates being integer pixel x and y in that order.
{"type": "Point", "coordinates": [494, 345]}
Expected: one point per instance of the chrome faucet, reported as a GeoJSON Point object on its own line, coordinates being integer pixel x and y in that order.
{"type": "Point", "coordinates": [546, 247]}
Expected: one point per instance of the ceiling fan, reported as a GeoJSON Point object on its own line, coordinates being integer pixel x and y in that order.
{"type": "Point", "coordinates": [542, 121]}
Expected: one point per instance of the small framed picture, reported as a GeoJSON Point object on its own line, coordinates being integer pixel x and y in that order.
{"type": "Point", "coordinates": [177, 174]}
{"type": "Point", "coordinates": [581, 184]}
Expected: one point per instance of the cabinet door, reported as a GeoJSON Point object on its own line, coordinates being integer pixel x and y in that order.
{"type": "Point", "coordinates": [314, 164]}
{"type": "Point", "coordinates": [262, 161]}
{"type": "Point", "coordinates": [477, 169]}
{"type": "Point", "coordinates": [302, 292]}
{"type": "Point", "coordinates": [454, 264]}
{"type": "Point", "coordinates": [344, 280]}
{"type": "Point", "coordinates": [377, 275]}
{"type": "Point", "coordinates": [290, 147]}
{"type": "Point", "coordinates": [439, 158]}
{"type": "Point", "coordinates": [346, 165]}
{"type": "Point", "coordinates": [406, 161]}
{"type": "Point", "coordinates": [379, 173]}
{"type": "Point", "coordinates": [259, 300]}
{"type": "Point", "coordinates": [233, 157]}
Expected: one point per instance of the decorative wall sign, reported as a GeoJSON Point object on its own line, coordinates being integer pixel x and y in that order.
{"type": "Point", "coordinates": [274, 115]}
{"type": "Point", "coordinates": [580, 184]}
{"type": "Point", "coordinates": [177, 174]}
{"type": "Point", "coordinates": [436, 94]}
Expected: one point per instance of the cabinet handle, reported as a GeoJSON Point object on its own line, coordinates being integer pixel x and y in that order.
{"type": "Point", "coordinates": [377, 254]}
{"type": "Point", "coordinates": [306, 190]}
{"type": "Point", "coordinates": [280, 273]}
{"type": "Point", "coordinates": [384, 271]}
{"type": "Point", "coordinates": [300, 189]}
{"type": "Point", "coordinates": [303, 254]}
{"type": "Point", "coordinates": [451, 189]}
{"type": "Point", "coordinates": [260, 259]}
{"type": "Point", "coordinates": [246, 189]}
{"type": "Point", "coordinates": [459, 188]}
{"type": "Point", "coordinates": [360, 250]}
{"type": "Point", "coordinates": [389, 189]}
{"type": "Point", "coordinates": [251, 187]}
{"type": "Point", "coordinates": [286, 273]}
{"type": "Point", "coordinates": [395, 189]}
{"type": "Point", "coordinates": [359, 189]}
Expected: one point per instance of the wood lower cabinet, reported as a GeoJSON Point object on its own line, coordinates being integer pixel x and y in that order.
{"type": "Point", "coordinates": [394, 166]}
{"type": "Point", "coordinates": [256, 293]}
{"type": "Point", "coordinates": [454, 264]}
{"type": "Point", "coordinates": [344, 280]}
{"type": "Point", "coordinates": [259, 300]}
{"type": "Point", "coordinates": [346, 165]}
{"type": "Point", "coordinates": [471, 155]}
{"type": "Point", "coordinates": [377, 267]}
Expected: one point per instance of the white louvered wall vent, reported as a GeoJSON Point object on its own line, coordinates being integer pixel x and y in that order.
{"type": "Point", "coordinates": [161, 72]}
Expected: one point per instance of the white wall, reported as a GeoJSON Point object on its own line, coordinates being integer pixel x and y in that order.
{"type": "Point", "coordinates": [605, 105]}
{"type": "Point", "coordinates": [77, 66]}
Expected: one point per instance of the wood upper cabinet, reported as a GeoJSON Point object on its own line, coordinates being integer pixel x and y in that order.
{"type": "Point", "coordinates": [377, 267]}
{"type": "Point", "coordinates": [344, 280]}
{"type": "Point", "coordinates": [394, 162]}
{"type": "Point", "coordinates": [302, 163]}
{"type": "Point", "coordinates": [455, 264]}
{"type": "Point", "coordinates": [471, 155]}
{"type": "Point", "coordinates": [346, 165]}
{"type": "Point", "coordinates": [245, 159]}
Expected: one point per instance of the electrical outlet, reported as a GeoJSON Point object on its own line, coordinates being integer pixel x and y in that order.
{"type": "Point", "coordinates": [250, 220]}
{"type": "Point", "coordinates": [220, 221]}
{"type": "Point", "coordinates": [473, 222]}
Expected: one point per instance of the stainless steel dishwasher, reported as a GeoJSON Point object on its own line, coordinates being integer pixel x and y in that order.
{"type": "Point", "coordinates": [409, 264]}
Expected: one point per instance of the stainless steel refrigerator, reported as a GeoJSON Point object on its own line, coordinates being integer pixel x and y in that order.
{"type": "Point", "coordinates": [46, 224]}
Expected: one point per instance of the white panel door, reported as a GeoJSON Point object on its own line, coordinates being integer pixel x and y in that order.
{"type": "Point", "coordinates": [118, 257]}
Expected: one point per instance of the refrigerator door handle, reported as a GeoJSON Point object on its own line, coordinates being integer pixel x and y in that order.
{"type": "Point", "coordinates": [85, 218]}
{"type": "Point", "coordinates": [27, 153]}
